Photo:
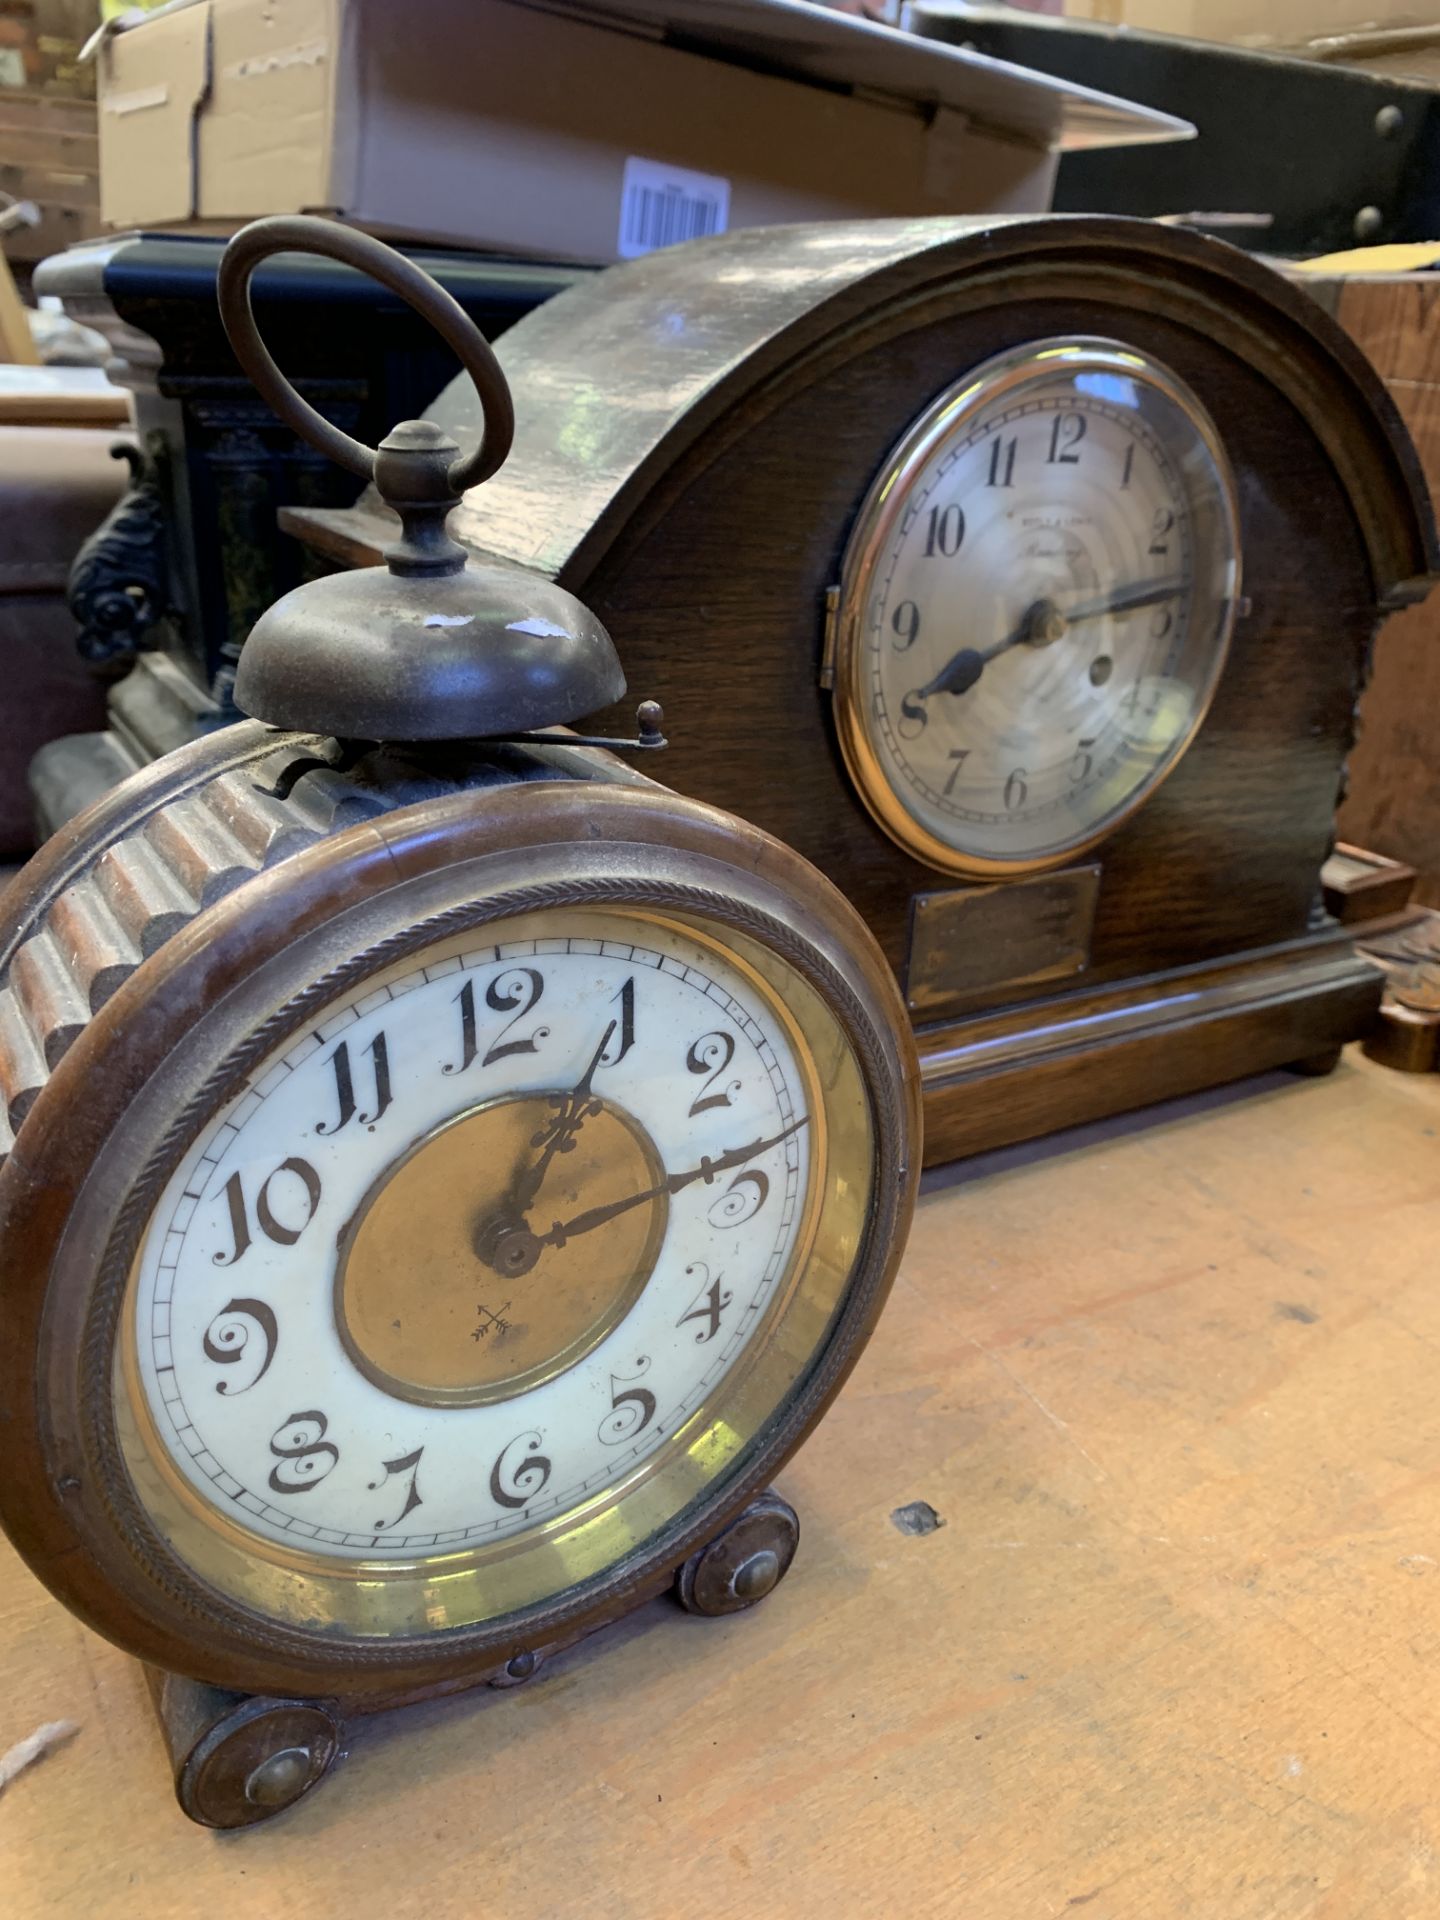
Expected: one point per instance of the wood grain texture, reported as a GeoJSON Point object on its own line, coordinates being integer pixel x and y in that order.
{"type": "Point", "coordinates": [1018, 1072]}
{"type": "Point", "coordinates": [1171, 1388]}
{"type": "Point", "coordinates": [1393, 803]}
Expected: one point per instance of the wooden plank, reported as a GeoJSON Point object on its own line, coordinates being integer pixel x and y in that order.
{"type": "Point", "coordinates": [1393, 803]}
{"type": "Point", "coordinates": [1389, 317]}
{"type": "Point", "coordinates": [1170, 1385]}
{"type": "Point", "coordinates": [16, 344]}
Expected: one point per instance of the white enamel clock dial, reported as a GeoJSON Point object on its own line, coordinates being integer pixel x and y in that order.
{"type": "Point", "coordinates": [475, 1244]}
{"type": "Point", "coordinates": [1036, 606]}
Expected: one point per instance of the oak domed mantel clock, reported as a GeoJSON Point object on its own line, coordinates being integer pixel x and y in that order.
{"type": "Point", "coordinates": [1022, 574]}
{"type": "Point", "coordinates": [445, 1173]}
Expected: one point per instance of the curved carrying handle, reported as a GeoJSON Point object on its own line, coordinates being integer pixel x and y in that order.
{"type": "Point", "coordinates": [303, 233]}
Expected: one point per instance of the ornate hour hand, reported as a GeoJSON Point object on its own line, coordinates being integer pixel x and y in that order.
{"type": "Point", "coordinates": [515, 1251]}
{"type": "Point", "coordinates": [556, 1136]}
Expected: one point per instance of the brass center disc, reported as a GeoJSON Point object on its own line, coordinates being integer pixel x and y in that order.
{"type": "Point", "coordinates": [425, 1316]}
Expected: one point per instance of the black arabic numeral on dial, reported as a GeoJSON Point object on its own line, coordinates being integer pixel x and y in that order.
{"type": "Point", "coordinates": [945, 531]}
{"type": "Point", "coordinates": [914, 716]}
{"type": "Point", "coordinates": [469, 1044]}
{"type": "Point", "coordinates": [1016, 790]}
{"type": "Point", "coordinates": [632, 1408]}
{"type": "Point", "coordinates": [230, 1342]}
{"type": "Point", "coordinates": [1130, 701]}
{"type": "Point", "coordinates": [626, 997]}
{"type": "Point", "coordinates": [959, 755]}
{"type": "Point", "coordinates": [1082, 760]}
{"type": "Point", "coordinates": [710, 1302]}
{"type": "Point", "coordinates": [379, 1053]}
{"type": "Point", "coordinates": [905, 625]}
{"type": "Point", "coordinates": [1067, 430]}
{"type": "Point", "coordinates": [407, 1463]}
{"type": "Point", "coordinates": [1161, 621]}
{"type": "Point", "coordinates": [519, 1473]}
{"type": "Point", "coordinates": [1127, 467]}
{"type": "Point", "coordinates": [303, 1455]}
{"type": "Point", "coordinates": [1160, 529]}
{"type": "Point", "coordinates": [741, 1200]}
{"type": "Point", "coordinates": [271, 1223]}
{"type": "Point", "coordinates": [1002, 463]}
{"type": "Point", "coordinates": [711, 1054]}
{"type": "Point", "coordinates": [517, 992]}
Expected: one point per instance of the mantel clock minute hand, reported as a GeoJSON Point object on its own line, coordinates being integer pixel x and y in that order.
{"type": "Point", "coordinates": [1141, 593]}
{"type": "Point", "coordinates": [515, 1251]}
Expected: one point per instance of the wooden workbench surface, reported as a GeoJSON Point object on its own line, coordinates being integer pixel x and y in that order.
{"type": "Point", "coordinates": [1174, 1387]}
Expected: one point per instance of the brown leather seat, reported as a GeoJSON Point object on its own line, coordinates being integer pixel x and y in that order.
{"type": "Point", "coordinates": [56, 486]}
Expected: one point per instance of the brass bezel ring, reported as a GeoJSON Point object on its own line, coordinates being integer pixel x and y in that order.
{"type": "Point", "coordinates": [946, 417]}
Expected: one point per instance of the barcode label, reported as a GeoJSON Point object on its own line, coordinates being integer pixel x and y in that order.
{"type": "Point", "coordinates": [660, 206]}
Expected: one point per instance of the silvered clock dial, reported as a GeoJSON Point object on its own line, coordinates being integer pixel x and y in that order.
{"type": "Point", "coordinates": [1035, 606]}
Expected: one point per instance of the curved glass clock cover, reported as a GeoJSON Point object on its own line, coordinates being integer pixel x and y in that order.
{"type": "Point", "coordinates": [1036, 606]}
{"type": "Point", "coordinates": [492, 1268]}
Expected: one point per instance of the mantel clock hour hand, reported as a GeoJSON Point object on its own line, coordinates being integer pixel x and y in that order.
{"type": "Point", "coordinates": [1042, 623]}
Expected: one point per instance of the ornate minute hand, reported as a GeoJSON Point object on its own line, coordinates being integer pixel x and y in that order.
{"type": "Point", "coordinates": [516, 1251]}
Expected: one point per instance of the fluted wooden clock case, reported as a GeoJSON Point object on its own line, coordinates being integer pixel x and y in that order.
{"type": "Point", "coordinates": [1022, 574]}
{"type": "Point", "coordinates": [445, 1173]}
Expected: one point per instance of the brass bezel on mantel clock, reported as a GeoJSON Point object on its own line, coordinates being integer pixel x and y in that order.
{"type": "Point", "coordinates": [445, 1173]}
{"type": "Point", "coordinates": [780, 385]}
{"type": "Point", "coordinates": [867, 630]}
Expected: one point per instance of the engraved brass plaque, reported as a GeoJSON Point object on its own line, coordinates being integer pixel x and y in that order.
{"type": "Point", "coordinates": [969, 941]}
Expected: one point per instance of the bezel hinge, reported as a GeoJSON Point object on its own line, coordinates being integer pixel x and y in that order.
{"type": "Point", "coordinates": [827, 652]}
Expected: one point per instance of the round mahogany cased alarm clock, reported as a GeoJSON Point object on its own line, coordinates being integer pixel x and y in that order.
{"type": "Point", "coordinates": [1052, 550]}
{"type": "Point", "coordinates": [447, 1173]}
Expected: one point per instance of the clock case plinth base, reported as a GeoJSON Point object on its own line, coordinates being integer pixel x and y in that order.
{"type": "Point", "coordinates": [240, 1758]}
{"type": "Point", "coordinates": [997, 1078]}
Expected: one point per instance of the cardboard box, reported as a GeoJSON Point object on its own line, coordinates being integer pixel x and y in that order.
{"type": "Point", "coordinates": [502, 124]}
